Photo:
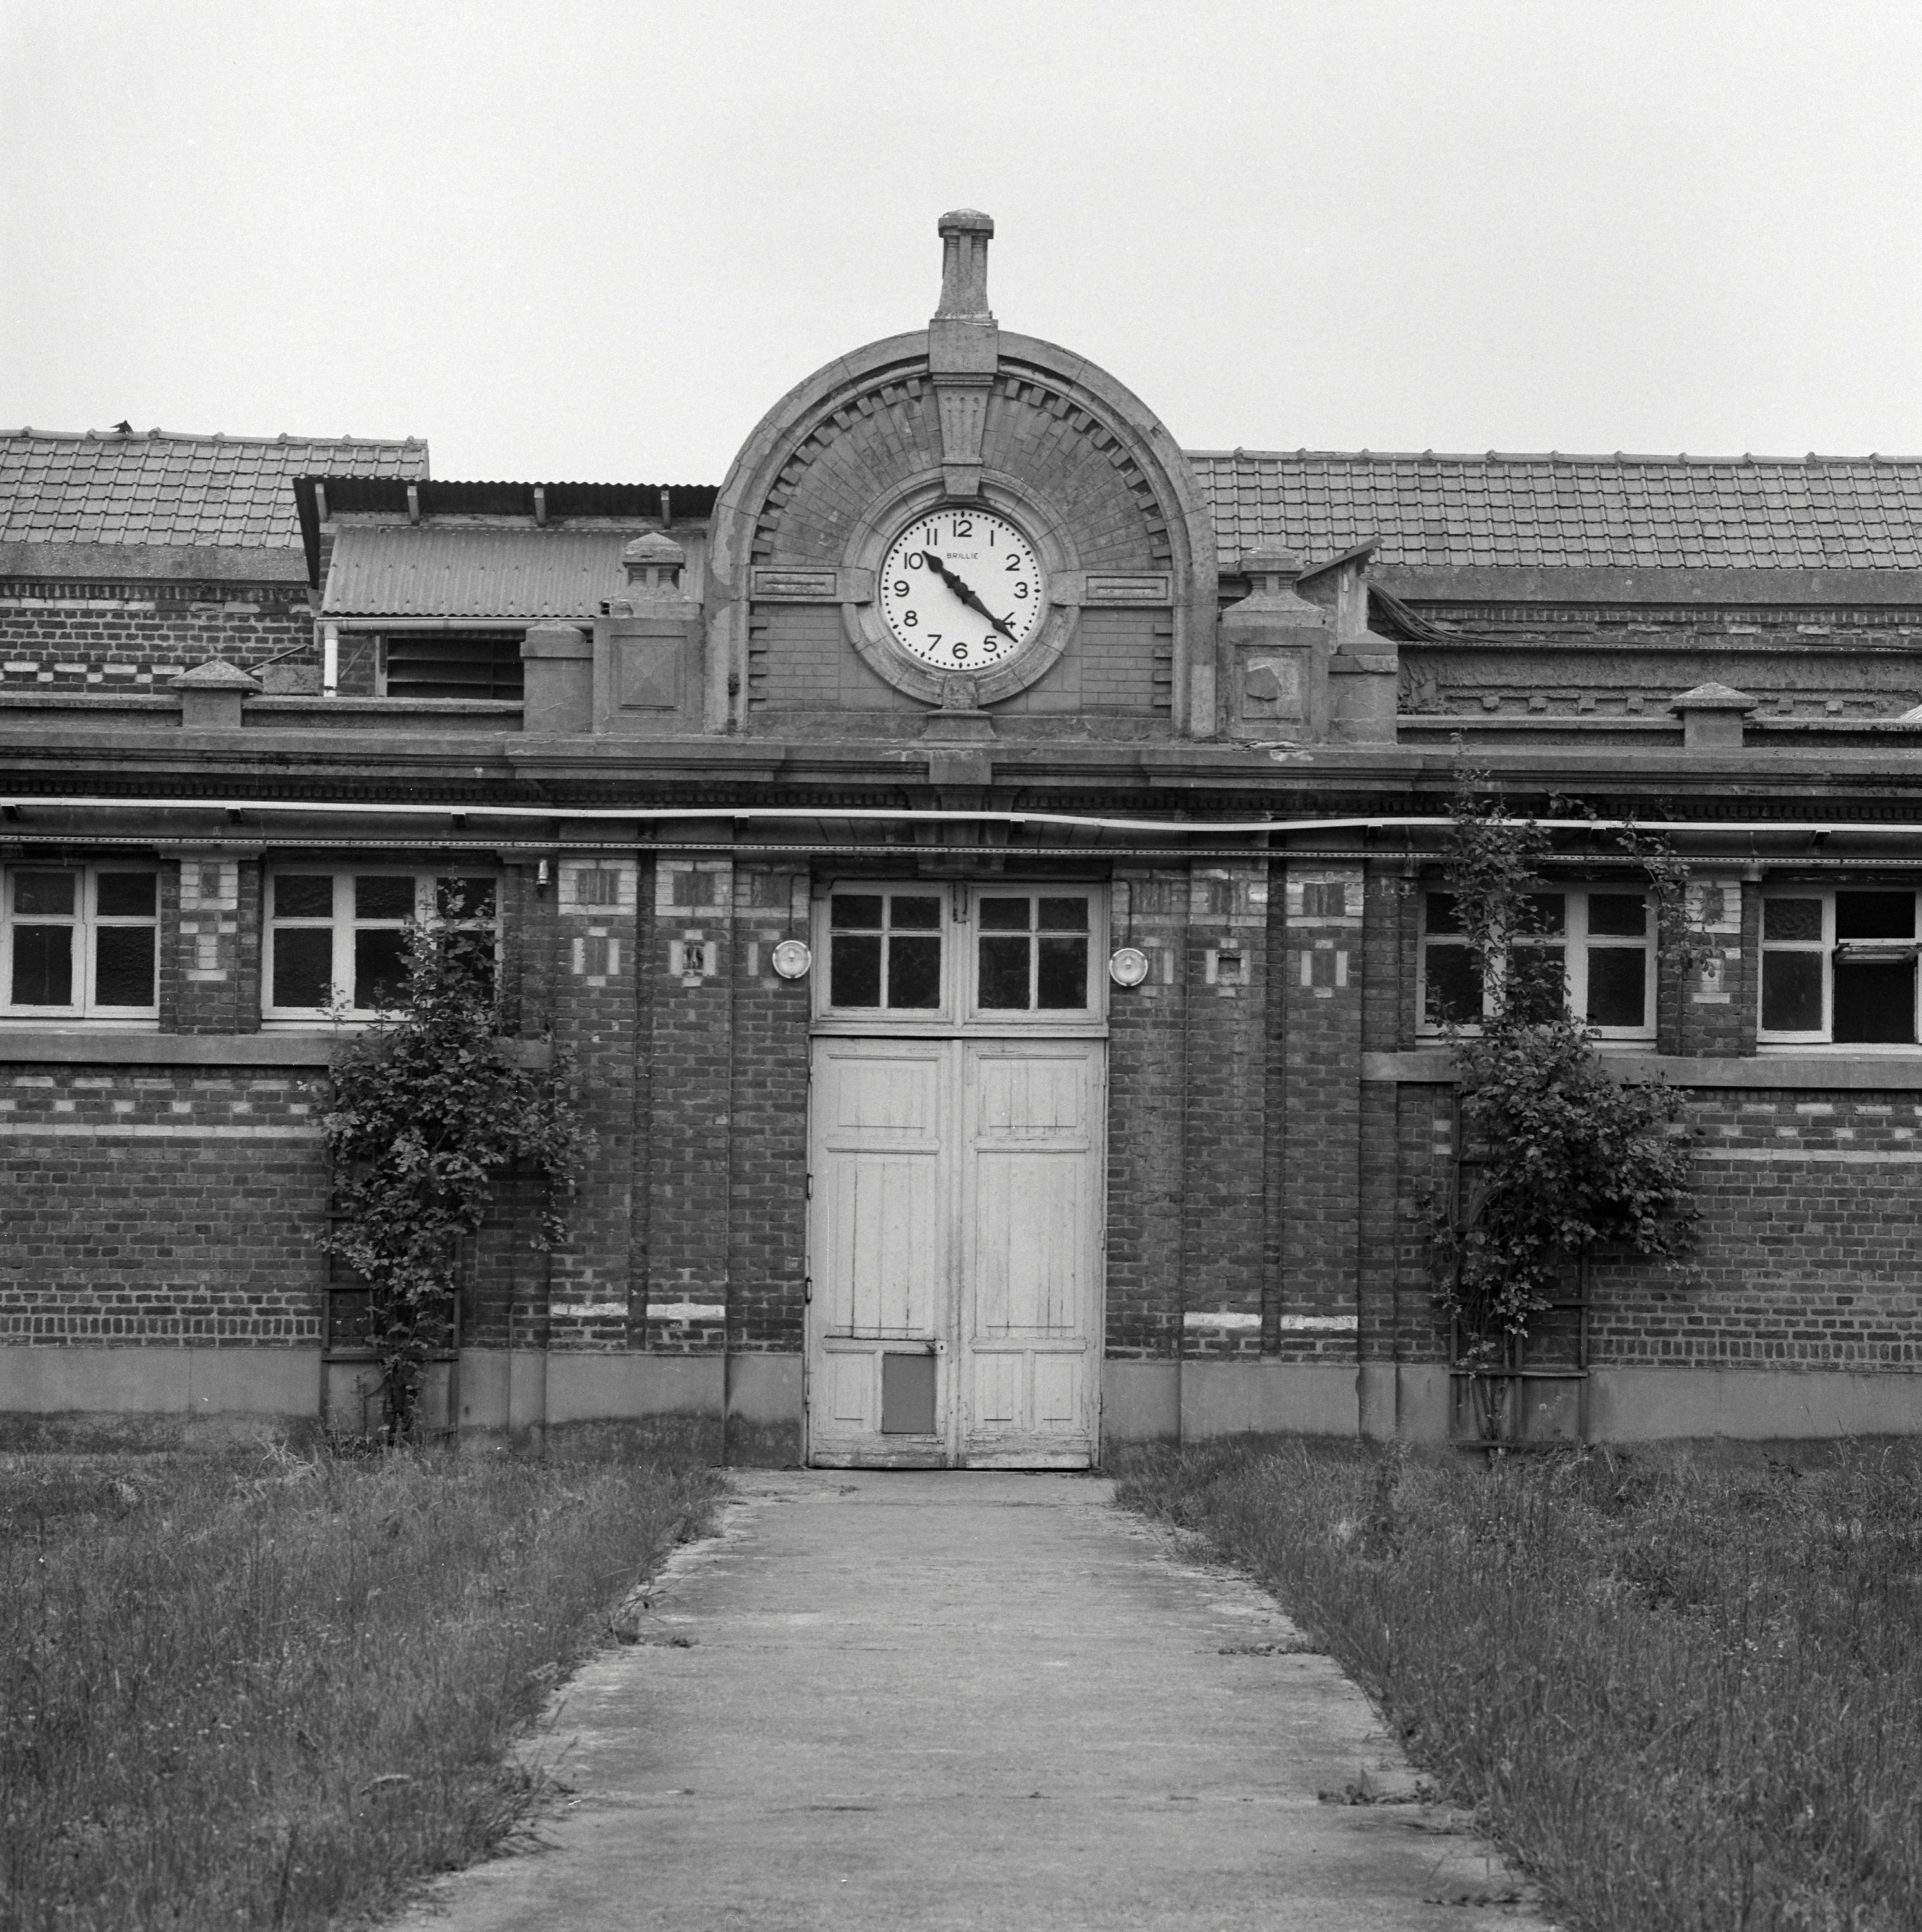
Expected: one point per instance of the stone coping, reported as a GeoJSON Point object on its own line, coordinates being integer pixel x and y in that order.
{"type": "Point", "coordinates": [1841, 1071]}
{"type": "Point", "coordinates": [125, 1046]}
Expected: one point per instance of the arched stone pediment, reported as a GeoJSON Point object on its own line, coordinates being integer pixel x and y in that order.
{"type": "Point", "coordinates": [958, 414]}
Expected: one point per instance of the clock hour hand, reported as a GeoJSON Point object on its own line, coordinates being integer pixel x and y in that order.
{"type": "Point", "coordinates": [966, 595]}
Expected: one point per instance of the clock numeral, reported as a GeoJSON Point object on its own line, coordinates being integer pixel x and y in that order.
{"type": "Point", "coordinates": [934, 637]}
{"type": "Point", "coordinates": [960, 648]}
{"type": "Point", "coordinates": [964, 526]}
{"type": "Point", "coordinates": [910, 618]}
{"type": "Point", "coordinates": [901, 587]}
{"type": "Point", "coordinates": [1020, 590]}
{"type": "Point", "coordinates": [913, 563]}
{"type": "Point", "coordinates": [1014, 563]}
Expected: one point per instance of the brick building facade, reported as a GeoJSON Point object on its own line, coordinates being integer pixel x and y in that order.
{"type": "Point", "coordinates": [1003, 1034]}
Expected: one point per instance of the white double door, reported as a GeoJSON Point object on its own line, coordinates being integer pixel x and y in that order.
{"type": "Point", "coordinates": [955, 1252]}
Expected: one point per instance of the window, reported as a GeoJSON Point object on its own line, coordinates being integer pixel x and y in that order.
{"type": "Point", "coordinates": [451, 664]}
{"type": "Point", "coordinates": [1839, 966]}
{"type": "Point", "coordinates": [337, 938]}
{"type": "Point", "coordinates": [80, 941]}
{"type": "Point", "coordinates": [1602, 936]}
{"type": "Point", "coordinates": [1032, 953]}
{"type": "Point", "coordinates": [884, 950]}
{"type": "Point", "coordinates": [928, 954]}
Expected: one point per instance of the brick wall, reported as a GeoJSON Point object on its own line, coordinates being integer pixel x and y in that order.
{"type": "Point", "coordinates": [690, 967]}
{"type": "Point", "coordinates": [1811, 1249]}
{"type": "Point", "coordinates": [1323, 978]}
{"type": "Point", "coordinates": [1147, 1078]}
{"type": "Point", "coordinates": [594, 962]}
{"type": "Point", "coordinates": [134, 637]}
{"type": "Point", "coordinates": [210, 946]}
{"type": "Point", "coordinates": [1223, 1206]}
{"type": "Point", "coordinates": [766, 1202]}
{"type": "Point", "coordinates": [152, 1205]}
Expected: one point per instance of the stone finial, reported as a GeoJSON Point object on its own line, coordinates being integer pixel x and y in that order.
{"type": "Point", "coordinates": [212, 695]}
{"type": "Point", "coordinates": [1711, 715]}
{"type": "Point", "coordinates": [653, 564]}
{"type": "Point", "coordinates": [216, 675]}
{"type": "Point", "coordinates": [964, 235]}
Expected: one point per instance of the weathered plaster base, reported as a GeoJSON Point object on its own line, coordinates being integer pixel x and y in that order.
{"type": "Point", "coordinates": [753, 1402]}
{"type": "Point", "coordinates": [271, 1384]}
{"type": "Point", "coordinates": [1750, 1404]}
{"type": "Point", "coordinates": [525, 1396]}
{"type": "Point", "coordinates": [1162, 1402]}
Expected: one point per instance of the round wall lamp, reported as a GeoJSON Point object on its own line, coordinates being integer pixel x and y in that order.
{"type": "Point", "coordinates": [791, 959]}
{"type": "Point", "coordinates": [1128, 966]}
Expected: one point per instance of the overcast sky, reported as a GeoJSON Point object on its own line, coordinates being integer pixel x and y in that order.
{"type": "Point", "coordinates": [595, 239]}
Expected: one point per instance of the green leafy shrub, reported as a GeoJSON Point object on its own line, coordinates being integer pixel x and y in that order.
{"type": "Point", "coordinates": [432, 1109]}
{"type": "Point", "coordinates": [1564, 1156]}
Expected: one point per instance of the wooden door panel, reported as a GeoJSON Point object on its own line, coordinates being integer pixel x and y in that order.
{"type": "Point", "coordinates": [1031, 1275]}
{"type": "Point", "coordinates": [880, 1257]}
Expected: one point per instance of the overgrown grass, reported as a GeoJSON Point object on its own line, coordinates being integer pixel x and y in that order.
{"type": "Point", "coordinates": [1688, 1696]}
{"type": "Point", "coordinates": [261, 1690]}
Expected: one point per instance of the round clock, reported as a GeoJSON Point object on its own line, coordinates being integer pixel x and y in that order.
{"type": "Point", "coordinates": [961, 590]}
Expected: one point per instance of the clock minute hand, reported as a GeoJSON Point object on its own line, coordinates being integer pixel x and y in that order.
{"type": "Point", "coordinates": [966, 595]}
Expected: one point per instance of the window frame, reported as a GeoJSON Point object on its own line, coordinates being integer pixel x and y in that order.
{"type": "Point", "coordinates": [85, 922]}
{"type": "Point", "coordinates": [1577, 943]}
{"type": "Point", "coordinates": [958, 1009]}
{"type": "Point", "coordinates": [343, 922]}
{"type": "Point", "coordinates": [1778, 1039]}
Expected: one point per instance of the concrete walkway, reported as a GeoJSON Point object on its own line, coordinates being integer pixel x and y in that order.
{"type": "Point", "coordinates": [909, 1701]}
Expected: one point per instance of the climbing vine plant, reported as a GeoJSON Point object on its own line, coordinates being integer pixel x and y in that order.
{"type": "Point", "coordinates": [1564, 1156]}
{"type": "Point", "coordinates": [432, 1110]}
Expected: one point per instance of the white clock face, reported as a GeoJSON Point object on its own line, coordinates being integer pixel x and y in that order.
{"type": "Point", "coordinates": [961, 590]}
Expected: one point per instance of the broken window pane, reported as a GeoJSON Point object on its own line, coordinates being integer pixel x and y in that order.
{"type": "Point", "coordinates": [1875, 915]}
{"type": "Point", "coordinates": [1874, 1002]}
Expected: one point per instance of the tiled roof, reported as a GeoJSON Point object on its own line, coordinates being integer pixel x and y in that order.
{"type": "Point", "coordinates": [154, 488]}
{"type": "Point", "coordinates": [1641, 512]}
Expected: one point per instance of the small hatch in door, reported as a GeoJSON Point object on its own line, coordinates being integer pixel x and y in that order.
{"type": "Point", "coordinates": [907, 1393]}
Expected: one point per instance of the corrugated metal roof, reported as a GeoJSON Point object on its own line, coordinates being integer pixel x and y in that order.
{"type": "Point", "coordinates": [1642, 512]}
{"type": "Point", "coordinates": [469, 573]}
{"type": "Point", "coordinates": [158, 489]}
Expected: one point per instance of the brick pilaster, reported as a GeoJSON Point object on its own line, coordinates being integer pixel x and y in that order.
{"type": "Point", "coordinates": [1147, 1063]}
{"type": "Point", "coordinates": [1224, 1232]}
{"type": "Point", "coordinates": [691, 967]}
{"type": "Point", "coordinates": [595, 960]}
{"type": "Point", "coordinates": [1321, 1236]}
{"type": "Point", "coordinates": [767, 1184]}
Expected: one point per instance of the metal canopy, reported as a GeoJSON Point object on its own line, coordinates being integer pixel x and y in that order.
{"type": "Point", "coordinates": [473, 573]}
